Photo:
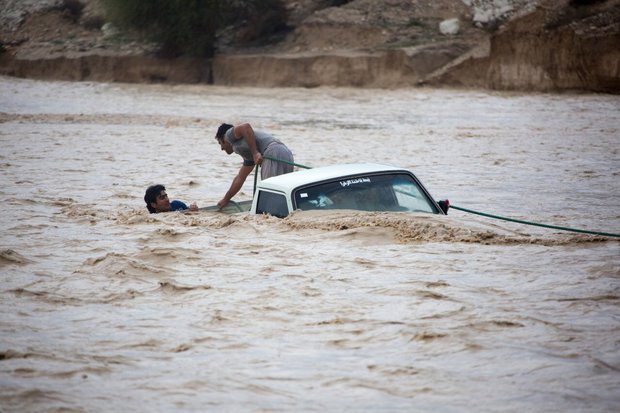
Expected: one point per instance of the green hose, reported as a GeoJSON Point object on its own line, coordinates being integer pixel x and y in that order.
{"type": "Point", "coordinates": [255, 179]}
{"type": "Point", "coordinates": [471, 211]}
{"type": "Point", "coordinates": [276, 160]}
{"type": "Point", "coordinates": [286, 162]}
{"type": "Point", "coordinates": [236, 205]}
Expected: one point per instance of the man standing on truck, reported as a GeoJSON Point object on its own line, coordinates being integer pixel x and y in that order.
{"type": "Point", "coordinates": [252, 146]}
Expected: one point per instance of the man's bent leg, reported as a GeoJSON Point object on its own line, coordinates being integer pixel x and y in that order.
{"type": "Point", "coordinates": [271, 168]}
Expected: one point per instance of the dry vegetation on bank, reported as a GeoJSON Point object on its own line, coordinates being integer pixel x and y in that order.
{"type": "Point", "coordinates": [498, 44]}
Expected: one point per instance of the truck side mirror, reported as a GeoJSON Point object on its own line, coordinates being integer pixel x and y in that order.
{"type": "Point", "coordinates": [444, 204]}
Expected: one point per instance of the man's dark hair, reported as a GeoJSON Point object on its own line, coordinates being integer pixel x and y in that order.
{"type": "Point", "coordinates": [151, 196]}
{"type": "Point", "coordinates": [222, 130]}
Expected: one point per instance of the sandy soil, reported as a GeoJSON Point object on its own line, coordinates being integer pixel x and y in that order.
{"type": "Point", "coordinates": [44, 29]}
{"type": "Point", "coordinates": [388, 43]}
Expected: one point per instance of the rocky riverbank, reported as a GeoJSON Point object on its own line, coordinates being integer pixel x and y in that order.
{"type": "Point", "coordinates": [496, 44]}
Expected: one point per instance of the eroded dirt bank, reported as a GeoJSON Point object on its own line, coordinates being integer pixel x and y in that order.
{"type": "Point", "coordinates": [393, 68]}
{"type": "Point", "coordinates": [556, 46]}
{"type": "Point", "coordinates": [111, 68]}
{"type": "Point", "coordinates": [541, 52]}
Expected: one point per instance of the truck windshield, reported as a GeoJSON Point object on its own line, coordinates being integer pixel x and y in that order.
{"type": "Point", "coordinates": [381, 192]}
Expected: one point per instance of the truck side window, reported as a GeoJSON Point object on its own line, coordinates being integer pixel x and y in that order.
{"type": "Point", "coordinates": [272, 203]}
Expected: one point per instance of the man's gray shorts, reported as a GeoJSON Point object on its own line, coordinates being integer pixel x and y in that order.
{"type": "Point", "coordinates": [271, 168]}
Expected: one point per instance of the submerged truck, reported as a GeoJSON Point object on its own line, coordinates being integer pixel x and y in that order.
{"type": "Point", "coordinates": [360, 186]}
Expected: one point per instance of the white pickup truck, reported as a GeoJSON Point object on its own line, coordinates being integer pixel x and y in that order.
{"type": "Point", "coordinates": [361, 187]}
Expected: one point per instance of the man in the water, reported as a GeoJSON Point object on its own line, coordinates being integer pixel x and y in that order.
{"type": "Point", "coordinates": [157, 201]}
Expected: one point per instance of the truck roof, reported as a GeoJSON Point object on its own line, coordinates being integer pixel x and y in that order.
{"type": "Point", "coordinates": [290, 181]}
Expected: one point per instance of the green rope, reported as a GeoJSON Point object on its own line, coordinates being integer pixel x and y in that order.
{"type": "Point", "coordinates": [276, 160]}
{"type": "Point", "coordinates": [236, 204]}
{"type": "Point", "coordinates": [216, 208]}
{"type": "Point", "coordinates": [286, 162]}
{"type": "Point", "coordinates": [255, 179]}
{"type": "Point", "coordinates": [606, 234]}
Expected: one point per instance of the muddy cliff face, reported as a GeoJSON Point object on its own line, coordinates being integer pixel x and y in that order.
{"type": "Point", "coordinates": [381, 69]}
{"type": "Point", "coordinates": [558, 46]}
{"type": "Point", "coordinates": [106, 68]}
{"type": "Point", "coordinates": [558, 59]}
{"type": "Point", "coordinates": [539, 52]}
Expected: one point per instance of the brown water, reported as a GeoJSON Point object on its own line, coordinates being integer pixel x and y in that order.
{"type": "Point", "coordinates": [107, 308]}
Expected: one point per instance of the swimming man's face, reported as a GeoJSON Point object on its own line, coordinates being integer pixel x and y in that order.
{"type": "Point", "coordinates": [162, 203]}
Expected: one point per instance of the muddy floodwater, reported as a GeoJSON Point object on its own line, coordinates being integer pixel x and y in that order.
{"type": "Point", "coordinates": [105, 308]}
